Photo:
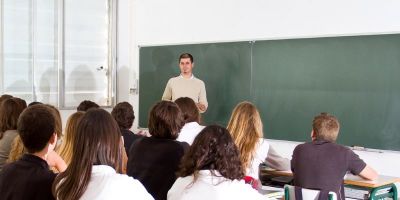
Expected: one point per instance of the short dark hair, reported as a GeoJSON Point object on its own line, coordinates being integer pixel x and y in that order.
{"type": "Point", "coordinates": [10, 109]}
{"type": "Point", "coordinates": [213, 149]}
{"type": "Point", "coordinates": [186, 55]}
{"type": "Point", "coordinates": [326, 127]}
{"type": "Point", "coordinates": [124, 115]}
{"type": "Point", "coordinates": [86, 105]}
{"type": "Point", "coordinates": [165, 120]}
{"type": "Point", "coordinates": [34, 103]}
{"type": "Point", "coordinates": [189, 109]}
{"type": "Point", "coordinates": [36, 125]}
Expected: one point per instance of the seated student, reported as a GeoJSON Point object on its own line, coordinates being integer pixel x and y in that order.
{"type": "Point", "coordinates": [54, 160]}
{"type": "Point", "coordinates": [212, 170]}
{"type": "Point", "coordinates": [96, 163]}
{"type": "Point", "coordinates": [10, 109]}
{"type": "Point", "coordinates": [86, 105]}
{"type": "Point", "coordinates": [154, 160]}
{"type": "Point", "coordinates": [322, 164]}
{"type": "Point", "coordinates": [30, 176]}
{"type": "Point", "coordinates": [246, 128]}
{"type": "Point", "coordinates": [69, 136]}
{"type": "Point", "coordinates": [124, 115]}
{"type": "Point", "coordinates": [191, 116]}
{"type": "Point", "coordinates": [5, 97]}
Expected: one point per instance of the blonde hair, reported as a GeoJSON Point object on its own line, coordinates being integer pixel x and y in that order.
{"type": "Point", "coordinates": [246, 128]}
{"type": "Point", "coordinates": [326, 127]}
{"type": "Point", "coordinates": [17, 150]}
{"type": "Point", "coordinates": [65, 149]}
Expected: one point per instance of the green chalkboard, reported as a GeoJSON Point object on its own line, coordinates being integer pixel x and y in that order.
{"type": "Point", "coordinates": [356, 78]}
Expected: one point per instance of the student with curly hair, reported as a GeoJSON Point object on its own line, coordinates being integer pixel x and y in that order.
{"type": "Point", "coordinates": [212, 170]}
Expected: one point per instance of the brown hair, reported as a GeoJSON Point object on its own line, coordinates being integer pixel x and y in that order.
{"type": "Point", "coordinates": [86, 105]}
{"type": "Point", "coordinates": [36, 125]}
{"type": "Point", "coordinates": [124, 115]}
{"type": "Point", "coordinates": [212, 149]}
{"type": "Point", "coordinates": [189, 109]}
{"type": "Point", "coordinates": [57, 117]}
{"type": "Point", "coordinates": [246, 129]}
{"type": "Point", "coordinates": [186, 55]}
{"type": "Point", "coordinates": [10, 110]}
{"type": "Point", "coordinates": [5, 97]}
{"type": "Point", "coordinates": [97, 142]}
{"type": "Point", "coordinates": [165, 120]}
{"type": "Point", "coordinates": [326, 127]}
{"type": "Point", "coordinates": [69, 136]}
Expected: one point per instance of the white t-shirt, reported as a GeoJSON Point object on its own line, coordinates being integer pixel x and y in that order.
{"type": "Point", "coordinates": [259, 157]}
{"type": "Point", "coordinates": [106, 184]}
{"type": "Point", "coordinates": [212, 187]}
{"type": "Point", "coordinates": [189, 131]}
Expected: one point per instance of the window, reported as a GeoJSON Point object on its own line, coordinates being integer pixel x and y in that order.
{"type": "Point", "coordinates": [58, 52]}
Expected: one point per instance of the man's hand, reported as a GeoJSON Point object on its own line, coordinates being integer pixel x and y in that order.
{"type": "Point", "coordinates": [201, 107]}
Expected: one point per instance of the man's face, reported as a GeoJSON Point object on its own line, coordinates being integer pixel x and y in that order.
{"type": "Point", "coordinates": [186, 66]}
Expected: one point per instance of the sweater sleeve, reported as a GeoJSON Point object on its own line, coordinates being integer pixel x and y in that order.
{"type": "Point", "coordinates": [167, 96]}
{"type": "Point", "coordinates": [203, 95]}
{"type": "Point", "coordinates": [275, 161]}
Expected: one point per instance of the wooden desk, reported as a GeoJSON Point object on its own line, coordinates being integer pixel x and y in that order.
{"type": "Point", "coordinates": [383, 182]}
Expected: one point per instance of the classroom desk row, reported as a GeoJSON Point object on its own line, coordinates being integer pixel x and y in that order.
{"type": "Point", "coordinates": [381, 188]}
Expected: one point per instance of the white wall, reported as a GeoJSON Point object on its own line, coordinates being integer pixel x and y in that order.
{"type": "Point", "coordinates": [159, 22]}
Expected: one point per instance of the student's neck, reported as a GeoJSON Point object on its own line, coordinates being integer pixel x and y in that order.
{"type": "Point", "coordinates": [41, 154]}
{"type": "Point", "coordinates": [187, 75]}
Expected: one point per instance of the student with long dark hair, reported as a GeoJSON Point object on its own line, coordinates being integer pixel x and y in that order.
{"type": "Point", "coordinates": [96, 161]}
{"type": "Point", "coordinates": [212, 170]}
{"type": "Point", "coordinates": [191, 116]}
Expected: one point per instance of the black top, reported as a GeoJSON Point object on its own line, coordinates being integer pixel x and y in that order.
{"type": "Point", "coordinates": [129, 138]}
{"type": "Point", "coordinates": [26, 178]}
{"type": "Point", "coordinates": [154, 162]}
{"type": "Point", "coordinates": [322, 165]}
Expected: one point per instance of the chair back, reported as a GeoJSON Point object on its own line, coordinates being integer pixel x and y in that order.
{"type": "Point", "coordinates": [306, 194]}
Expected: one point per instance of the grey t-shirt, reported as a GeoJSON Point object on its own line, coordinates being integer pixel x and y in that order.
{"type": "Point", "coordinates": [5, 145]}
{"type": "Point", "coordinates": [322, 165]}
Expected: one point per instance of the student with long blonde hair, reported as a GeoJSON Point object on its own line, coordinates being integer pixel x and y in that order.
{"type": "Point", "coordinates": [246, 128]}
{"type": "Point", "coordinates": [69, 136]}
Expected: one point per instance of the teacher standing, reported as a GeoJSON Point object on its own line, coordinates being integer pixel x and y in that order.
{"type": "Point", "coordinates": [186, 85]}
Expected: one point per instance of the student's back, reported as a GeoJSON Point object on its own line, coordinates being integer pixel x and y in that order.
{"type": "Point", "coordinates": [322, 164]}
{"type": "Point", "coordinates": [154, 160]}
{"type": "Point", "coordinates": [27, 178]}
{"type": "Point", "coordinates": [30, 176]}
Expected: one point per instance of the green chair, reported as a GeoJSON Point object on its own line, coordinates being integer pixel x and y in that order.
{"type": "Point", "coordinates": [307, 194]}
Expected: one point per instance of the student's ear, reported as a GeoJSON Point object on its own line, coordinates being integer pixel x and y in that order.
{"type": "Point", "coordinates": [53, 139]}
{"type": "Point", "coordinates": [313, 135]}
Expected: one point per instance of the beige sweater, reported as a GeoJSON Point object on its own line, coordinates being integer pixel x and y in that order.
{"type": "Point", "coordinates": [193, 88]}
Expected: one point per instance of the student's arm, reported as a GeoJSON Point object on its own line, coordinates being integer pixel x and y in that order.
{"type": "Point", "coordinates": [167, 95]}
{"type": "Point", "coordinates": [369, 173]}
{"type": "Point", "coordinates": [276, 161]}
{"type": "Point", "coordinates": [203, 104]}
{"type": "Point", "coordinates": [359, 167]}
{"type": "Point", "coordinates": [54, 160]}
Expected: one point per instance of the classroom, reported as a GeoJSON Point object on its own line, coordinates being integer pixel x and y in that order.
{"type": "Point", "coordinates": [143, 24]}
